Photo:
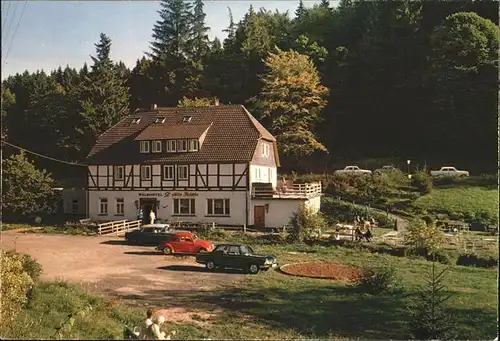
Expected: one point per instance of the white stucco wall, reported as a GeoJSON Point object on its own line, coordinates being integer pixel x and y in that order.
{"type": "Point", "coordinates": [263, 174]}
{"type": "Point", "coordinates": [281, 210]}
{"type": "Point", "coordinates": [166, 205]}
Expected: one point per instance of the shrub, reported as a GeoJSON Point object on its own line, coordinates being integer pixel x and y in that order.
{"type": "Point", "coordinates": [422, 181]}
{"type": "Point", "coordinates": [16, 282]}
{"type": "Point", "coordinates": [305, 223]}
{"type": "Point", "coordinates": [429, 320]}
{"type": "Point", "coordinates": [470, 259]}
{"type": "Point", "coordinates": [378, 281]}
{"type": "Point", "coordinates": [423, 238]}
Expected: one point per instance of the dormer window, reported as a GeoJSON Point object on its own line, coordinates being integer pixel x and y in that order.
{"type": "Point", "coordinates": [144, 146]}
{"type": "Point", "coordinates": [182, 146]}
{"type": "Point", "coordinates": [171, 146]}
{"type": "Point", "coordinates": [159, 120]}
{"type": "Point", "coordinates": [136, 120]}
{"type": "Point", "coordinates": [193, 145]}
{"type": "Point", "coordinates": [187, 119]}
{"type": "Point", "coordinates": [156, 148]}
{"type": "Point", "coordinates": [265, 150]}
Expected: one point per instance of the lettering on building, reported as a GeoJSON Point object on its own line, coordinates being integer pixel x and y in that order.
{"type": "Point", "coordinates": [168, 194]}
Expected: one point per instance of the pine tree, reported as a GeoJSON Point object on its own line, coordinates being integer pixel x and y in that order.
{"type": "Point", "coordinates": [105, 98]}
{"type": "Point", "coordinates": [230, 30]}
{"type": "Point", "coordinates": [429, 320]}
{"type": "Point", "coordinates": [172, 33]}
{"type": "Point", "coordinates": [300, 10]}
{"type": "Point", "coordinates": [325, 3]}
{"type": "Point", "coordinates": [199, 42]}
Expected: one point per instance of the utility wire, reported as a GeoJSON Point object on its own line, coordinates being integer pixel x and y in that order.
{"type": "Point", "coordinates": [6, 14]}
{"type": "Point", "coordinates": [15, 30]}
{"type": "Point", "coordinates": [45, 156]}
{"type": "Point", "coordinates": [9, 25]}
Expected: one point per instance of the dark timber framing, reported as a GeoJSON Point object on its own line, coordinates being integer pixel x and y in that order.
{"type": "Point", "coordinates": [157, 182]}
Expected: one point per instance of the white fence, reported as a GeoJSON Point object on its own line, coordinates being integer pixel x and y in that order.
{"type": "Point", "coordinates": [118, 227]}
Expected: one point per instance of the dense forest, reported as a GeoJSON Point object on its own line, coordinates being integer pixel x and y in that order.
{"type": "Point", "coordinates": [364, 79]}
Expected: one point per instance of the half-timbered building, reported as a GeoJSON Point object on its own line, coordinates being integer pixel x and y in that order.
{"type": "Point", "coordinates": [209, 164]}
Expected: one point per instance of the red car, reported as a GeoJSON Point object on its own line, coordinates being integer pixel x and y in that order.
{"type": "Point", "coordinates": [184, 243]}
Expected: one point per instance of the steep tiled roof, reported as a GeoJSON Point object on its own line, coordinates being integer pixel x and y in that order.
{"type": "Point", "coordinates": [168, 130]}
{"type": "Point", "coordinates": [232, 136]}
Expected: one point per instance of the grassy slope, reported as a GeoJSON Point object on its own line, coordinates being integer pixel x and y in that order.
{"type": "Point", "coordinates": [272, 305]}
{"type": "Point", "coordinates": [460, 200]}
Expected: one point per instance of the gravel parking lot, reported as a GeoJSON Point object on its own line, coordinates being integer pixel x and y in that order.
{"type": "Point", "coordinates": [107, 265]}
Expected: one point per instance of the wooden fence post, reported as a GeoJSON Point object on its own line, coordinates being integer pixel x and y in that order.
{"type": "Point", "coordinates": [244, 228]}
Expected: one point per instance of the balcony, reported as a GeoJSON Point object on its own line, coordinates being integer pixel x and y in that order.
{"type": "Point", "coordinates": [286, 190]}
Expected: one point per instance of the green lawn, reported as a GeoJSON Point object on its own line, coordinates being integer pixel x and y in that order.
{"type": "Point", "coordinates": [460, 200]}
{"type": "Point", "coordinates": [273, 305]}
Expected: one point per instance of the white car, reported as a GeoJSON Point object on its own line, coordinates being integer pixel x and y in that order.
{"type": "Point", "coordinates": [386, 169]}
{"type": "Point", "coordinates": [449, 171]}
{"type": "Point", "coordinates": [353, 170]}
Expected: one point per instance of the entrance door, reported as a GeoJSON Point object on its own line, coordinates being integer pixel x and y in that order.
{"type": "Point", "coordinates": [147, 205]}
{"type": "Point", "coordinates": [259, 216]}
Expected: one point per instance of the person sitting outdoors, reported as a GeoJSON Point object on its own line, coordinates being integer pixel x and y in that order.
{"type": "Point", "coordinates": [147, 323]}
{"type": "Point", "coordinates": [154, 332]}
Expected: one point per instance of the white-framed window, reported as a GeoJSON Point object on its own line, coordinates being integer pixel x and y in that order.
{"type": "Point", "coordinates": [218, 207]}
{"type": "Point", "coordinates": [182, 172]}
{"type": "Point", "coordinates": [119, 173]}
{"type": "Point", "coordinates": [168, 172]}
{"type": "Point", "coordinates": [103, 206]}
{"type": "Point", "coordinates": [257, 174]}
{"type": "Point", "coordinates": [120, 206]}
{"type": "Point", "coordinates": [144, 146]}
{"type": "Point", "coordinates": [74, 206]}
{"type": "Point", "coordinates": [145, 172]}
{"type": "Point", "coordinates": [265, 150]}
{"type": "Point", "coordinates": [171, 146]}
{"type": "Point", "coordinates": [182, 146]}
{"type": "Point", "coordinates": [193, 145]}
{"type": "Point", "coordinates": [184, 206]}
{"type": "Point", "coordinates": [156, 148]}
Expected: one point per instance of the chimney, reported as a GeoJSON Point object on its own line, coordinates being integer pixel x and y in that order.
{"type": "Point", "coordinates": [216, 101]}
{"type": "Point", "coordinates": [153, 106]}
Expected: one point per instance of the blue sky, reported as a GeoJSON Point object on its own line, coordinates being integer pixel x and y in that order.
{"type": "Point", "coordinates": [53, 33]}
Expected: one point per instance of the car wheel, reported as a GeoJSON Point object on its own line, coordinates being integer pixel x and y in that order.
{"type": "Point", "coordinates": [253, 269]}
{"type": "Point", "coordinates": [210, 266]}
{"type": "Point", "coordinates": [167, 250]}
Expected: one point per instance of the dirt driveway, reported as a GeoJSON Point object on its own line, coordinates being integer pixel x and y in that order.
{"type": "Point", "coordinates": [107, 265]}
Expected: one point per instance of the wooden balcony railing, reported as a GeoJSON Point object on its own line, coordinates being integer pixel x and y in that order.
{"type": "Point", "coordinates": [305, 191]}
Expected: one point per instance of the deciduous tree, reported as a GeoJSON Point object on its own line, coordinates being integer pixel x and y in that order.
{"type": "Point", "coordinates": [290, 102]}
{"type": "Point", "coordinates": [26, 190]}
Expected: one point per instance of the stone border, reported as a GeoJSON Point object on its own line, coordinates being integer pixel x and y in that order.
{"type": "Point", "coordinates": [283, 267]}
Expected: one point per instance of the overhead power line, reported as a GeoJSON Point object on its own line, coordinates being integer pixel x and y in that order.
{"type": "Point", "coordinates": [6, 14]}
{"type": "Point", "coordinates": [9, 20]}
{"type": "Point", "coordinates": [15, 30]}
{"type": "Point", "coordinates": [45, 156]}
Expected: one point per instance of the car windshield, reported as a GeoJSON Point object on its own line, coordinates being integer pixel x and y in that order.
{"type": "Point", "coordinates": [246, 249]}
{"type": "Point", "coordinates": [220, 248]}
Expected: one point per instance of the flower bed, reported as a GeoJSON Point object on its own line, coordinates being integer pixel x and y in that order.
{"type": "Point", "coordinates": [331, 271]}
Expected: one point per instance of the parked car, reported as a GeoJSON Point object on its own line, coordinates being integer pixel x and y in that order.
{"type": "Point", "coordinates": [449, 171]}
{"type": "Point", "coordinates": [236, 256]}
{"type": "Point", "coordinates": [386, 169]}
{"type": "Point", "coordinates": [353, 170]}
{"type": "Point", "coordinates": [185, 243]}
{"type": "Point", "coordinates": [151, 234]}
